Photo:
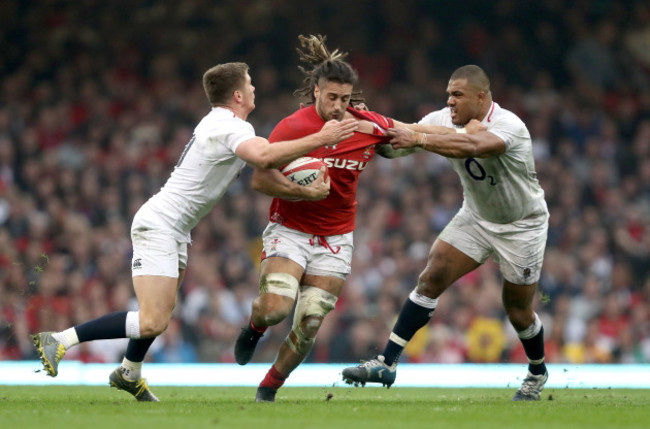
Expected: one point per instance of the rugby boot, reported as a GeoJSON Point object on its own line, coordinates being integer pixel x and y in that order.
{"type": "Point", "coordinates": [371, 371]}
{"type": "Point", "coordinates": [138, 388]}
{"type": "Point", "coordinates": [531, 388]}
{"type": "Point", "coordinates": [50, 350]}
{"type": "Point", "coordinates": [265, 394]}
{"type": "Point", "coordinates": [246, 343]}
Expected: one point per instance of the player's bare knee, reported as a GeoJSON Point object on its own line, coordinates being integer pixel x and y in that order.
{"type": "Point", "coordinates": [429, 284]}
{"type": "Point", "coordinates": [271, 308]}
{"type": "Point", "coordinates": [152, 326]}
{"type": "Point", "coordinates": [273, 317]}
{"type": "Point", "coordinates": [520, 318]}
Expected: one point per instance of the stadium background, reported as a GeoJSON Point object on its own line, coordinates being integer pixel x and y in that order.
{"type": "Point", "coordinates": [98, 99]}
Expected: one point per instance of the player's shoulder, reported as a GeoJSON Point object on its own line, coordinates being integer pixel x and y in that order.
{"type": "Point", "coordinates": [222, 122]}
{"type": "Point", "coordinates": [304, 117]}
{"type": "Point", "coordinates": [300, 123]}
{"type": "Point", "coordinates": [304, 113]}
{"type": "Point", "coordinates": [508, 125]}
{"type": "Point", "coordinates": [437, 117]}
{"type": "Point", "coordinates": [503, 115]}
{"type": "Point", "coordinates": [217, 118]}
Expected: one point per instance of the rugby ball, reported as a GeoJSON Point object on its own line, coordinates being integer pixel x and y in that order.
{"type": "Point", "coordinates": [303, 171]}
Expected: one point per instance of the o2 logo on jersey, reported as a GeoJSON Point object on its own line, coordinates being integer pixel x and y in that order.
{"type": "Point", "coordinates": [346, 164]}
{"type": "Point", "coordinates": [477, 172]}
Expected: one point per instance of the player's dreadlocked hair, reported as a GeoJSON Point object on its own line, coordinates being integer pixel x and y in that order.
{"type": "Point", "coordinates": [326, 65]}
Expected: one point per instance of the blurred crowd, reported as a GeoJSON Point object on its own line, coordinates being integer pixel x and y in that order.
{"type": "Point", "coordinates": [98, 99]}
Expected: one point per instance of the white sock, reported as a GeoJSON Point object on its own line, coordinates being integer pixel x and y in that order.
{"type": "Point", "coordinates": [131, 370]}
{"type": "Point", "coordinates": [68, 338]}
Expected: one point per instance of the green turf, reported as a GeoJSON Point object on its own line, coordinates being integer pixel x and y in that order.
{"type": "Point", "coordinates": [52, 407]}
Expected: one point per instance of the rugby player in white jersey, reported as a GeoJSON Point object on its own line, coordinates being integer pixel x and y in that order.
{"type": "Point", "coordinates": [503, 215]}
{"type": "Point", "coordinates": [222, 143]}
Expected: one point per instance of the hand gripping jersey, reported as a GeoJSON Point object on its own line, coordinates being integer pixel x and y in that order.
{"type": "Point", "coordinates": [345, 161]}
{"type": "Point", "coordinates": [499, 189]}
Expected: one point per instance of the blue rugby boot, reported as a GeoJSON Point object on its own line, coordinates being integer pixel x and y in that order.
{"type": "Point", "coordinates": [371, 371]}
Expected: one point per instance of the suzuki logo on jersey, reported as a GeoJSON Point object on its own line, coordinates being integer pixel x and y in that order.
{"type": "Point", "coordinates": [346, 164]}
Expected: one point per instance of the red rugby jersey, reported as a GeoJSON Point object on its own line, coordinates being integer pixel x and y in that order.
{"type": "Point", "coordinates": [335, 214]}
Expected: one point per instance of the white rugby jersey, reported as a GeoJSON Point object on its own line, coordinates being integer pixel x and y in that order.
{"type": "Point", "coordinates": [500, 189]}
{"type": "Point", "coordinates": [204, 171]}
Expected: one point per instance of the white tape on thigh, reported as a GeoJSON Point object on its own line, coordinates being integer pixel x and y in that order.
{"type": "Point", "coordinates": [279, 284]}
{"type": "Point", "coordinates": [313, 301]}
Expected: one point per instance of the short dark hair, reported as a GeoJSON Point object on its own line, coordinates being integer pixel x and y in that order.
{"type": "Point", "coordinates": [220, 81]}
{"type": "Point", "coordinates": [475, 76]}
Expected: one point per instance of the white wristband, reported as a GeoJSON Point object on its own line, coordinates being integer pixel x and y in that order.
{"type": "Point", "coordinates": [461, 131]}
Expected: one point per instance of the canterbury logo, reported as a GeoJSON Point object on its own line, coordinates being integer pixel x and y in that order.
{"type": "Point", "coordinates": [137, 264]}
{"type": "Point", "coordinates": [346, 164]}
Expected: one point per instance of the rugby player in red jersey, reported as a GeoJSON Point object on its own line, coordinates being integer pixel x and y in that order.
{"type": "Point", "coordinates": [308, 241]}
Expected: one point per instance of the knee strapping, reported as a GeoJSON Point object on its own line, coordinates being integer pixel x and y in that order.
{"type": "Point", "coordinates": [279, 284]}
{"type": "Point", "coordinates": [312, 307]}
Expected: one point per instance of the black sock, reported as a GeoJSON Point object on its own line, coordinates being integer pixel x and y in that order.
{"type": "Point", "coordinates": [534, 348]}
{"type": "Point", "coordinates": [411, 318]}
{"type": "Point", "coordinates": [112, 325]}
{"type": "Point", "coordinates": [137, 349]}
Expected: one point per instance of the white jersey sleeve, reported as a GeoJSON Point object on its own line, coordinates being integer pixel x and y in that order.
{"type": "Point", "coordinates": [499, 189]}
{"type": "Point", "coordinates": [206, 168]}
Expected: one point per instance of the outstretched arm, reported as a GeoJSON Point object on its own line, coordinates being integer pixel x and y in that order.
{"type": "Point", "coordinates": [389, 151]}
{"type": "Point", "coordinates": [261, 154]}
{"type": "Point", "coordinates": [421, 128]}
{"type": "Point", "coordinates": [273, 183]}
{"type": "Point", "coordinates": [473, 142]}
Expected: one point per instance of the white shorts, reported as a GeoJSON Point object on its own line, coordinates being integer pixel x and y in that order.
{"type": "Point", "coordinates": [320, 256]}
{"type": "Point", "coordinates": [518, 247]}
{"type": "Point", "coordinates": [157, 253]}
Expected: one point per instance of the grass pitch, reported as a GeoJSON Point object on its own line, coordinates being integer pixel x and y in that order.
{"type": "Point", "coordinates": [53, 407]}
